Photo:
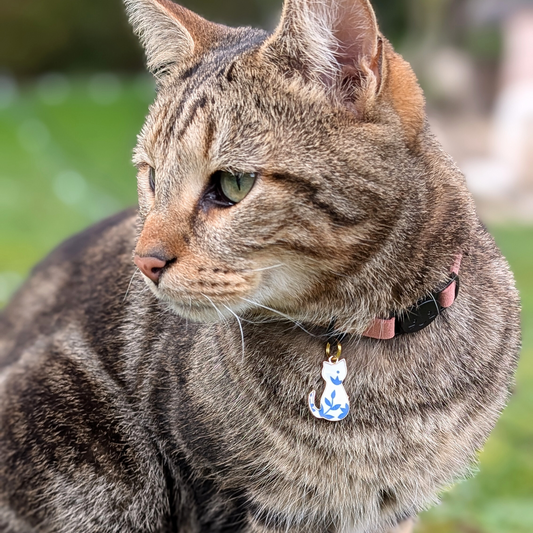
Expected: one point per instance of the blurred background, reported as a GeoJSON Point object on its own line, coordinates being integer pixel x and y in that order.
{"type": "Point", "coordinates": [73, 95]}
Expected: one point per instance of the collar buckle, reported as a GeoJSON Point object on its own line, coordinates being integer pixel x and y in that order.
{"type": "Point", "coordinates": [424, 312]}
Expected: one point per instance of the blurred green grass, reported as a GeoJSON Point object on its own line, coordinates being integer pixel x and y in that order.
{"type": "Point", "coordinates": [500, 498]}
{"type": "Point", "coordinates": [65, 148]}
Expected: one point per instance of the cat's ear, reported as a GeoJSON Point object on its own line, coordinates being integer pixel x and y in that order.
{"type": "Point", "coordinates": [337, 42]}
{"type": "Point", "coordinates": [168, 32]}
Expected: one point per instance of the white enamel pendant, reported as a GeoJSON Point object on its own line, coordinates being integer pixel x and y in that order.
{"type": "Point", "coordinates": [334, 404]}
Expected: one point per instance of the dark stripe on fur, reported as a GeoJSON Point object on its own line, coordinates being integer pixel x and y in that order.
{"type": "Point", "coordinates": [311, 193]}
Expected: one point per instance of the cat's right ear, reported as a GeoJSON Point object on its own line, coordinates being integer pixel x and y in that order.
{"type": "Point", "coordinates": [336, 43]}
{"type": "Point", "coordinates": [169, 33]}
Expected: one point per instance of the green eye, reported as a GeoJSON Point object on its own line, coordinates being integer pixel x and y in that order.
{"type": "Point", "coordinates": [236, 187]}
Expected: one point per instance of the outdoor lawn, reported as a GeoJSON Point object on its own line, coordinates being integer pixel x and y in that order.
{"type": "Point", "coordinates": [65, 148]}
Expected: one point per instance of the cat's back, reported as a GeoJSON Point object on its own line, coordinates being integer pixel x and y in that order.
{"type": "Point", "coordinates": [81, 286]}
{"type": "Point", "coordinates": [68, 426]}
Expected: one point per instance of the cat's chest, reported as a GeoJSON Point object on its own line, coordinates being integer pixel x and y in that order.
{"type": "Point", "coordinates": [245, 416]}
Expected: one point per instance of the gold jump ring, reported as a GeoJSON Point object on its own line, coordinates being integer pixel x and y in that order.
{"type": "Point", "coordinates": [337, 356]}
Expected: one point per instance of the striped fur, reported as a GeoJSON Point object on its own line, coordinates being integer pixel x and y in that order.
{"type": "Point", "coordinates": [181, 407]}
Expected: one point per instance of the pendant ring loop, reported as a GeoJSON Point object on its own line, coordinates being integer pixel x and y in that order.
{"type": "Point", "coordinates": [333, 358]}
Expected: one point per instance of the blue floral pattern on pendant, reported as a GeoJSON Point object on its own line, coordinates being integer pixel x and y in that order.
{"type": "Point", "coordinates": [334, 404]}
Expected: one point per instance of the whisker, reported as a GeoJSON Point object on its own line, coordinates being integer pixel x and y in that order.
{"type": "Point", "coordinates": [286, 317]}
{"type": "Point", "coordinates": [240, 327]}
{"type": "Point", "coordinates": [216, 308]}
{"type": "Point", "coordinates": [266, 268]}
{"type": "Point", "coordinates": [129, 284]}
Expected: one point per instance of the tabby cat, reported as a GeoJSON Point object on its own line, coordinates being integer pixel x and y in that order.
{"type": "Point", "coordinates": [291, 198]}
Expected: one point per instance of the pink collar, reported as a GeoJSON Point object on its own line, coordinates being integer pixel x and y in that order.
{"type": "Point", "coordinates": [420, 315]}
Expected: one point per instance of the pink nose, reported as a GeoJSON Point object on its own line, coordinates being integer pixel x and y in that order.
{"type": "Point", "coordinates": [151, 267]}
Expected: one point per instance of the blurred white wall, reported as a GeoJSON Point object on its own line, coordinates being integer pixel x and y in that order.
{"type": "Point", "coordinates": [495, 149]}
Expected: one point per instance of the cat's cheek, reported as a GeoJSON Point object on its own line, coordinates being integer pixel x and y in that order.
{"type": "Point", "coordinates": [288, 286]}
{"type": "Point", "coordinates": [145, 206]}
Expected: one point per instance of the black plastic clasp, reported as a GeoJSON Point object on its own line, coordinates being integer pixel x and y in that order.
{"type": "Point", "coordinates": [418, 317]}
{"type": "Point", "coordinates": [422, 314]}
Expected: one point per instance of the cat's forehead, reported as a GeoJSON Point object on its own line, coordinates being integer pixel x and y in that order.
{"type": "Point", "coordinates": [234, 108]}
{"type": "Point", "coordinates": [233, 47]}
{"type": "Point", "coordinates": [213, 91]}
{"type": "Point", "coordinates": [214, 70]}
{"type": "Point", "coordinates": [236, 101]}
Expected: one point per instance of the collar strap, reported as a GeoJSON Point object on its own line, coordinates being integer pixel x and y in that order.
{"type": "Point", "coordinates": [420, 315]}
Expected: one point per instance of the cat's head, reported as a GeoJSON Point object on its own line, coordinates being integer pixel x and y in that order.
{"type": "Point", "coordinates": [334, 371]}
{"type": "Point", "coordinates": [273, 167]}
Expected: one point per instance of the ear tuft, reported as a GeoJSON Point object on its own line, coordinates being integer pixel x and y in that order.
{"type": "Point", "coordinates": [162, 32]}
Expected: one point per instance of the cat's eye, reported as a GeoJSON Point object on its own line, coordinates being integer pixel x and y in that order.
{"type": "Point", "coordinates": [235, 187]}
{"type": "Point", "coordinates": [151, 178]}
{"type": "Point", "coordinates": [228, 188]}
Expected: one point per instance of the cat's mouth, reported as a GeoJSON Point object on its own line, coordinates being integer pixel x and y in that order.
{"type": "Point", "coordinates": [217, 295]}
{"type": "Point", "coordinates": [210, 312]}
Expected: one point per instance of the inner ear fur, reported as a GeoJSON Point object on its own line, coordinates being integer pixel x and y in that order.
{"type": "Point", "coordinates": [334, 42]}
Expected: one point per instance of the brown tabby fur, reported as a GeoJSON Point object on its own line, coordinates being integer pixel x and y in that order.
{"type": "Point", "coordinates": [182, 407]}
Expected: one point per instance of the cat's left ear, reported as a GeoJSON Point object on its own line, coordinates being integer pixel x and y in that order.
{"type": "Point", "coordinates": [336, 42]}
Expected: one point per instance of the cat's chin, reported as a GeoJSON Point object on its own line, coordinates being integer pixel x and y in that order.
{"type": "Point", "coordinates": [209, 313]}
{"type": "Point", "coordinates": [194, 313]}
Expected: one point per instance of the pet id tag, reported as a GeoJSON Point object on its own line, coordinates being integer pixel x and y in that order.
{"type": "Point", "coordinates": [334, 404]}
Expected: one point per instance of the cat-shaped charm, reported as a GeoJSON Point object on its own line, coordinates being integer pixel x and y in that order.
{"type": "Point", "coordinates": [334, 404]}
